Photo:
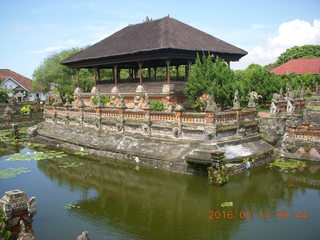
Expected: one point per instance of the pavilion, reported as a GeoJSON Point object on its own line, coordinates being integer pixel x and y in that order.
{"type": "Point", "coordinates": [164, 42]}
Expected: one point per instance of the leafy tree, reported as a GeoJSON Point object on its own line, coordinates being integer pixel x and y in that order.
{"type": "Point", "coordinates": [51, 73]}
{"type": "Point", "coordinates": [199, 78]}
{"type": "Point", "coordinates": [306, 51]}
{"type": "Point", "coordinates": [222, 82]}
{"type": "Point", "coordinates": [4, 95]}
{"type": "Point", "coordinates": [259, 79]}
{"type": "Point", "coordinates": [214, 78]}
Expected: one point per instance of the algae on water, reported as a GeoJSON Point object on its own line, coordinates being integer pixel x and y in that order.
{"type": "Point", "coordinates": [287, 165]}
{"type": "Point", "coordinates": [70, 164]}
{"type": "Point", "coordinates": [35, 156]}
{"type": "Point", "coordinates": [13, 172]}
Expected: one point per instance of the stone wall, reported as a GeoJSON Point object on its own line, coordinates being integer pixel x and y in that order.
{"type": "Point", "coordinates": [157, 139]}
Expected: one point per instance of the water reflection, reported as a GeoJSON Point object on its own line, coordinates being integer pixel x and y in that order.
{"type": "Point", "coordinates": [153, 204]}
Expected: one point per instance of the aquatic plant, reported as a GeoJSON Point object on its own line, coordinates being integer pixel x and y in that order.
{"type": "Point", "coordinates": [227, 204]}
{"type": "Point", "coordinates": [82, 153]}
{"type": "Point", "coordinates": [13, 172]}
{"type": "Point", "coordinates": [71, 205]}
{"type": "Point", "coordinates": [70, 164]}
{"type": "Point", "coordinates": [35, 156]}
{"type": "Point", "coordinates": [286, 165]}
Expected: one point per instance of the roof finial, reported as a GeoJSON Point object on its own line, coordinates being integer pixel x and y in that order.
{"type": "Point", "coordinates": [147, 19]}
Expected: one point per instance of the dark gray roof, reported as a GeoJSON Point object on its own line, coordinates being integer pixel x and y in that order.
{"type": "Point", "coordinates": [164, 33]}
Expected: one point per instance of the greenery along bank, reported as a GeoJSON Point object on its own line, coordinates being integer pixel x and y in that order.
{"type": "Point", "coordinates": [206, 77]}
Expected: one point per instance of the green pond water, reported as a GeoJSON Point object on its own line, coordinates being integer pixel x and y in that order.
{"type": "Point", "coordinates": [115, 200]}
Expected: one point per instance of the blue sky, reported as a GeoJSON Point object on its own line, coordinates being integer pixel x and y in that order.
{"type": "Point", "coordinates": [32, 30]}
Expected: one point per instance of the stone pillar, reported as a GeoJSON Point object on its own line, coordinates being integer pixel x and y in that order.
{"type": "Point", "coordinates": [78, 78]}
{"type": "Point", "coordinates": [140, 72]}
{"type": "Point", "coordinates": [115, 89]}
{"type": "Point", "coordinates": [140, 87]}
{"type": "Point", "coordinates": [155, 73]}
{"type": "Point", "coordinates": [168, 71]}
{"type": "Point", "coordinates": [189, 68]}
{"type": "Point", "coordinates": [98, 114]}
{"type": "Point", "coordinates": [177, 69]}
{"type": "Point", "coordinates": [95, 77]}
{"type": "Point", "coordinates": [167, 86]}
{"type": "Point", "coordinates": [149, 73]}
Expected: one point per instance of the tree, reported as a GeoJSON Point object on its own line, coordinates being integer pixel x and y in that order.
{"type": "Point", "coordinates": [213, 78]}
{"type": "Point", "coordinates": [51, 73]}
{"type": "Point", "coordinates": [259, 79]}
{"type": "Point", "coordinates": [4, 95]}
{"type": "Point", "coordinates": [199, 79]}
{"type": "Point", "coordinates": [306, 51]}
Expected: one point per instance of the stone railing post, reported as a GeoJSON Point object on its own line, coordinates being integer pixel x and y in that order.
{"type": "Point", "coordinates": [98, 114]}
{"type": "Point", "coordinates": [81, 120]}
{"type": "Point", "coordinates": [210, 117]}
{"type": "Point", "coordinates": [66, 109]}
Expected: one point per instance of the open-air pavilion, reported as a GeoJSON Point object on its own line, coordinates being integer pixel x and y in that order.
{"type": "Point", "coordinates": [165, 42]}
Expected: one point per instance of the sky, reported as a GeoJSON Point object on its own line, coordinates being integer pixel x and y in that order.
{"type": "Point", "coordinates": [32, 30]}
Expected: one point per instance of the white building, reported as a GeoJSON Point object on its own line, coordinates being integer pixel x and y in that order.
{"type": "Point", "coordinates": [11, 80]}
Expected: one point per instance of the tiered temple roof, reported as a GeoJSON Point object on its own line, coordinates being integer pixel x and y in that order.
{"type": "Point", "coordinates": [152, 43]}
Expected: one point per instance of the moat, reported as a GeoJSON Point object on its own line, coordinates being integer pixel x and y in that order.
{"type": "Point", "coordinates": [116, 200]}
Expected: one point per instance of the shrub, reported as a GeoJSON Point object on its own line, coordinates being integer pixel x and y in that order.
{"type": "Point", "coordinates": [26, 109]}
{"type": "Point", "coordinates": [104, 99]}
{"type": "Point", "coordinates": [157, 106]}
{"type": "Point", "coordinates": [308, 92]}
{"type": "Point", "coordinates": [4, 95]}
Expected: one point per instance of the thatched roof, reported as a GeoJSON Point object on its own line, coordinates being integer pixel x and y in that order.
{"type": "Point", "coordinates": [165, 35]}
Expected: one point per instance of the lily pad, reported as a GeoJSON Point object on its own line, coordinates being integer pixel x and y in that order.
{"type": "Point", "coordinates": [13, 172]}
{"type": "Point", "coordinates": [227, 204]}
{"type": "Point", "coordinates": [71, 205]}
{"type": "Point", "coordinates": [82, 153]}
{"type": "Point", "coordinates": [287, 165]}
{"type": "Point", "coordinates": [35, 156]}
{"type": "Point", "coordinates": [70, 164]}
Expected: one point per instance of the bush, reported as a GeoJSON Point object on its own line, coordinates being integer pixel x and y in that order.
{"type": "Point", "coordinates": [104, 99]}
{"type": "Point", "coordinates": [308, 92]}
{"type": "Point", "coordinates": [4, 95]}
{"type": "Point", "coordinates": [26, 109]}
{"type": "Point", "coordinates": [157, 106]}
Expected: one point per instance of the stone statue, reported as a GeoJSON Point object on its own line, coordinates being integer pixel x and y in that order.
{"type": "Point", "coordinates": [22, 227]}
{"type": "Point", "coordinates": [169, 107]}
{"type": "Point", "coordinates": [281, 94]}
{"type": "Point", "coordinates": [210, 104]}
{"type": "Point", "coordinates": [77, 92]}
{"type": "Point", "coordinates": [83, 236]}
{"type": "Point", "coordinates": [252, 96]}
{"type": "Point", "coordinates": [147, 99]}
{"type": "Point", "coordinates": [15, 134]}
{"type": "Point", "coordinates": [274, 105]}
{"type": "Point", "coordinates": [67, 101]}
{"type": "Point", "coordinates": [290, 103]}
{"type": "Point", "coordinates": [236, 104]}
{"type": "Point", "coordinates": [302, 93]}
{"type": "Point", "coordinates": [137, 102]}
{"type": "Point", "coordinates": [99, 103]}
{"type": "Point", "coordinates": [146, 128]}
{"type": "Point", "coordinates": [121, 104]}
{"type": "Point", "coordinates": [31, 205]}
{"type": "Point", "coordinates": [8, 113]}
{"type": "Point", "coordinates": [47, 101]}
{"type": "Point", "coordinates": [177, 131]}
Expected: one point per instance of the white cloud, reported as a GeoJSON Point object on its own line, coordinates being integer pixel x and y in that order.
{"type": "Point", "coordinates": [59, 45]}
{"type": "Point", "coordinates": [289, 34]}
{"type": "Point", "coordinates": [48, 49]}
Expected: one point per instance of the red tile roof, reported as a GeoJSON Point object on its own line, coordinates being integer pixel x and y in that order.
{"type": "Point", "coordinates": [24, 81]}
{"type": "Point", "coordinates": [299, 66]}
